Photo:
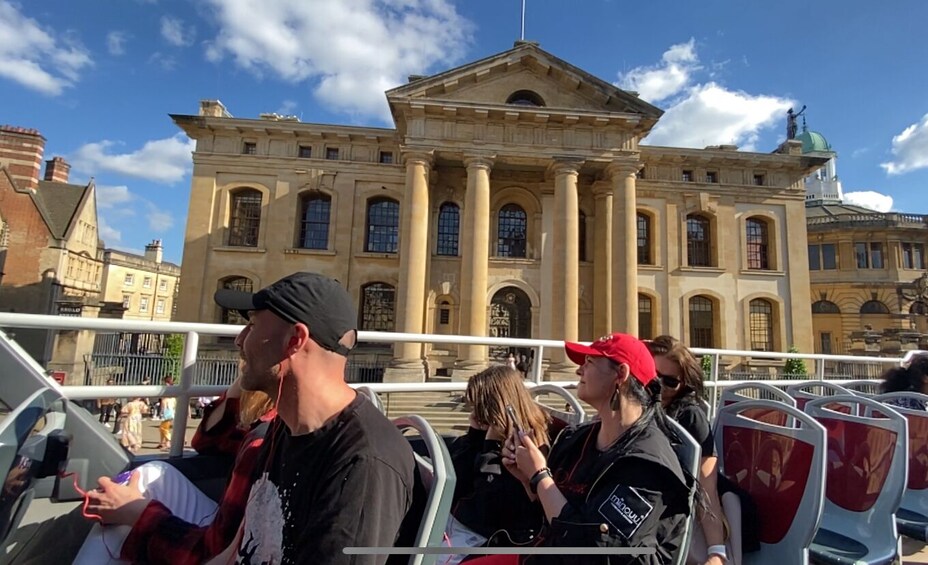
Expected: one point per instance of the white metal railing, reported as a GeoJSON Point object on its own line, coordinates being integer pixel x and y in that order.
{"type": "Point", "coordinates": [186, 389]}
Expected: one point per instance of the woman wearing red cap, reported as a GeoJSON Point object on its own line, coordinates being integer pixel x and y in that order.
{"type": "Point", "coordinates": [615, 482]}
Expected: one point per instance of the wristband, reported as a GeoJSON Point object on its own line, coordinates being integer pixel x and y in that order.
{"type": "Point", "coordinates": [539, 476]}
{"type": "Point", "coordinates": [719, 550]}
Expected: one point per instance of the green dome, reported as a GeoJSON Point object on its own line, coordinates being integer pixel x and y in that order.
{"type": "Point", "coordinates": [813, 141]}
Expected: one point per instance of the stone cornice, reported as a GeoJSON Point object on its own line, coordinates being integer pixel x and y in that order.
{"type": "Point", "coordinates": [652, 155]}
{"type": "Point", "coordinates": [198, 126]}
{"type": "Point", "coordinates": [420, 155]}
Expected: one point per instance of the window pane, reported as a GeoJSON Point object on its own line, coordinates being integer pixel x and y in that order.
{"type": "Point", "coordinates": [245, 221]}
{"type": "Point", "coordinates": [829, 256]}
{"type": "Point", "coordinates": [644, 239]}
{"type": "Point", "coordinates": [906, 255]}
{"type": "Point", "coordinates": [815, 261]}
{"type": "Point", "coordinates": [918, 256]}
{"type": "Point", "coordinates": [511, 231]}
{"type": "Point", "coordinates": [581, 227]}
{"type": "Point", "coordinates": [860, 253]}
{"type": "Point", "coordinates": [383, 220]}
{"type": "Point", "coordinates": [314, 226]}
{"type": "Point", "coordinates": [761, 322]}
{"type": "Point", "coordinates": [757, 244]}
{"type": "Point", "coordinates": [701, 322]}
{"type": "Point", "coordinates": [233, 316]}
{"type": "Point", "coordinates": [698, 242]}
{"type": "Point", "coordinates": [644, 317]}
{"type": "Point", "coordinates": [876, 255]}
{"type": "Point", "coordinates": [449, 224]}
{"type": "Point", "coordinates": [826, 343]}
{"type": "Point", "coordinates": [378, 303]}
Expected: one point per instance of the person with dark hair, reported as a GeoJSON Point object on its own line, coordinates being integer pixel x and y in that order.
{"type": "Point", "coordinates": [911, 377]}
{"type": "Point", "coordinates": [488, 499]}
{"type": "Point", "coordinates": [613, 482]}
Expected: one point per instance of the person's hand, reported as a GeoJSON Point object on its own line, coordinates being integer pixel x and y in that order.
{"type": "Point", "coordinates": [472, 422]}
{"type": "Point", "coordinates": [115, 503]}
{"type": "Point", "coordinates": [715, 560]}
{"type": "Point", "coordinates": [522, 457]}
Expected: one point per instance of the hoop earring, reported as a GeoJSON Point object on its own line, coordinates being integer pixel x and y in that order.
{"type": "Point", "coordinates": [614, 401]}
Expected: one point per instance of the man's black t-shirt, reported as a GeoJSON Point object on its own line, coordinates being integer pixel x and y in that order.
{"type": "Point", "coordinates": [691, 417]}
{"type": "Point", "coordinates": [348, 484]}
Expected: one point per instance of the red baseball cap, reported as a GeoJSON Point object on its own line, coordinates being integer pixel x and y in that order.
{"type": "Point", "coordinates": [621, 348]}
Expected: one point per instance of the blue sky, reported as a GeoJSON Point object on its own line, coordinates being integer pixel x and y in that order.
{"type": "Point", "coordinates": [98, 78]}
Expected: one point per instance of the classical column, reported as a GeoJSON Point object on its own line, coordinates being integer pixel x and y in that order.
{"type": "Point", "coordinates": [625, 245]}
{"type": "Point", "coordinates": [566, 252]}
{"type": "Point", "coordinates": [475, 250]}
{"type": "Point", "coordinates": [602, 260]}
{"type": "Point", "coordinates": [414, 238]}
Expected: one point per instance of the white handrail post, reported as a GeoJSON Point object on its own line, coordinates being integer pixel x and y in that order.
{"type": "Point", "coordinates": [820, 369]}
{"type": "Point", "coordinates": [536, 365]}
{"type": "Point", "coordinates": [715, 385]}
{"type": "Point", "coordinates": [182, 408]}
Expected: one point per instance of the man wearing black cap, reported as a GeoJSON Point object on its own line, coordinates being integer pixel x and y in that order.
{"type": "Point", "coordinates": [335, 472]}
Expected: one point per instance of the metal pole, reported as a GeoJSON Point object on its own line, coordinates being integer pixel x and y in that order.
{"type": "Point", "coordinates": [715, 388]}
{"type": "Point", "coordinates": [181, 410]}
{"type": "Point", "coordinates": [536, 364]}
{"type": "Point", "coordinates": [522, 36]}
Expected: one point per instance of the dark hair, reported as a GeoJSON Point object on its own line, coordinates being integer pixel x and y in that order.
{"type": "Point", "coordinates": [906, 379]}
{"type": "Point", "coordinates": [690, 369]}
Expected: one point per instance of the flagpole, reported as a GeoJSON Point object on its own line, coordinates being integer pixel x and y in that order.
{"type": "Point", "coordinates": [522, 37]}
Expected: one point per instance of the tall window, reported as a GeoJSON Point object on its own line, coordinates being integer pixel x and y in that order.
{"type": "Point", "coordinates": [913, 256]}
{"type": "Point", "coordinates": [761, 324]}
{"type": "Point", "coordinates": [581, 241]}
{"type": "Point", "coordinates": [378, 307]}
{"type": "Point", "coordinates": [869, 255]}
{"type": "Point", "coordinates": [757, 242]}
{"type": "Point", "coordinates": [824, 256]}
{"type": "Point", "coordinates": [143, 304]}
{"type": "Point", "coordinates": [245, 218]}
{"type": "Point", "coordinates": [644, 239]}
{"type": "Point", "coordinates": [235, 283]}
{"type": "Point", "coordinates": [444, 313]}
{"type": "Point", "coordinates": [449, 226]}
{"type": "Point", "coordinates": [511, 231]}
{"type": "Point", "coordinates": [825, 343]}
{"type": "Point", "coordinates": [383, 225]}
{"type": "Point", "coordinates": [698, 241]}
{"type": "Point", "coordinates": [701, 321]}
{"type": "Point", "coordinates": [314, 221]}
{"type": "Point", "coordinates": [645, 318]}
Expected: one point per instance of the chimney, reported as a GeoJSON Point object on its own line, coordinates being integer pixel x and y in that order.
{"type": "Point", "coordinates": [21, 151]}
{"type": "Point", "coordinates": [57, 170]}
{"type": "Point", "coordinates": [213, 109]}
{"type": "Point", "coordinates": [153, 251]}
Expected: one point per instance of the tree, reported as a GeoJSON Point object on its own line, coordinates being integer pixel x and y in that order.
{"type": "Point", "coordinates": [794, 367]}
{"type": "Point", "coordinates": [173, 350]}
{"type": "Point", "coordinates": [706, 363]}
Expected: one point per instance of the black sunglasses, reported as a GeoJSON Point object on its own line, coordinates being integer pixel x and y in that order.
{"type": "Point", "coordinates": [669, 381]}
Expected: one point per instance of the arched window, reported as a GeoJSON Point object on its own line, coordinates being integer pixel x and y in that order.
{"type": "Point", "coordinates": [698, 241]}
{"type": "Point", "coordinates": [581, 236]}
{"type": "Point", "coordinates": [761, 324]}
{"type": "Point", "coordinates": [449, 225]}
{"type": "Point", "coordinates": [245, 218]}
{"type": "Point", "coordinates": [444, 313]}
{"type": "Point", "coordinates": [383, 225]}
{"type": "Point", "coordinates": [644, 239]}
{"type": "Point", "coordinates": [645, 318]}
{"type": "Point", "coordinates": [378, 307]}
{"type": "Point", "coordinates": [525, 98]}
{"type": "Point", "coordinates": [235, 283]}
{"type": "Point", "coordinates": [825, 307]}
{"type": "Point", "coordinates": [510, 231]}
{"type": "Point", "coordinates": [314, 221]}
{"type": "Point", "coordinates": [701, 322]}
{"type": "Point", "coordinates": [757, 243]}
{"type": "Point", "coordinates": [918, 308]}
{"type": "Point", "coordinates": [873, 307]}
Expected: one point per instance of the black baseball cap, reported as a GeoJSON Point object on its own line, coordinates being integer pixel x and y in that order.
{"type": "Point", "coordinates": [319, 302]}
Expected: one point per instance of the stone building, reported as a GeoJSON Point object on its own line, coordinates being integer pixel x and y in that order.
{"type": "Point", "coordinates": [143, 286]}
{"type": "Point", "coordinates": [867, 269]}
{"type": "Point", "coordinates": [52, 255]}
{"type": "Point", "coordinates": [511, 198]}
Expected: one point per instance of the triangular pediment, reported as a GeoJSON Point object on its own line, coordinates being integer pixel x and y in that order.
{"type": "Point", "coordinates": [527, 73]}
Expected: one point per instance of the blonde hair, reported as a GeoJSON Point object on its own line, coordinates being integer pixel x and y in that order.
{"type": "Point", "coordinates": [252, 406]}
{"type": "Point", "coordinates": [490, 391]}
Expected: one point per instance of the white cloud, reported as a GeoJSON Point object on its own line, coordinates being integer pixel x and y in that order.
{"type": "Point", "coordinates": [910, 149]}
{"type": "Point", "coordinates": [116, 42]}
{"type": "Point", "coordinates": [711, 115]}
{"type": "Point", "coordinates": [109, 235]}
{"type": "Point", "coordinates": [701, 114]}
{"type": "Point", "coordinates": [870, 199]}
{"type": "Point", "coordinates": [353, 51]}
{"type": "Point", "coordinates": [658, 82]}
{"type": "Point", "coordinates": [287, 107]}
{"type": "Point", "coordinates": [166, 62]}
{"type": "Point", "coordinates": [162, 160]}
{"type": "Point", "coordinates": [34, 57]}
{"type": "Point", "coordinates": [176, 33]}
{"type": "Point", "coordinates": [109, 197]}
{"type": "Point", "coordinates": [159, 220]}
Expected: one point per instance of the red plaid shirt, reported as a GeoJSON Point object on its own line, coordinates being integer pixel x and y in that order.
{"type": "Point", "coordinates": [160, 537]}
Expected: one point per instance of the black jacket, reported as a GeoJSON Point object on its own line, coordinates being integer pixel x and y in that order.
{"type": "Point", "coordinates": [637, 499]}
{"type": "Point", "coordinates": [487, 498]}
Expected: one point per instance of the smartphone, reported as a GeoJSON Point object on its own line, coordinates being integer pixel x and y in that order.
{"type": "Point", "coordinates": [122, 478]}
{"type": "Point", "coordinates": [515, 420]}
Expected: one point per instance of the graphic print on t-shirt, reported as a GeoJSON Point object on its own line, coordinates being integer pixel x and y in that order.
{"type": "Point", "coordinates": [263, 529]}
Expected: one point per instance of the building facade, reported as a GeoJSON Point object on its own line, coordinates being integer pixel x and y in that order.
{"type": "Point", "coordinates": [867, 268]}
{"type": "Point", "coordinates": [52, 258]}
{"type": "Point", "coordinates": [144, 286]}
{"type": "Point", "coordinates": [512, 198]}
